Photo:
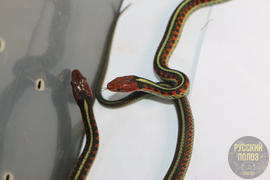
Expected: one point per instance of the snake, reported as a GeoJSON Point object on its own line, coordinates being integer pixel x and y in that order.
{"type": "Point", "coordinates": [178, 80]}
{"type": "Point", "coordinates": [83, 96]}
{"type": "Point", "coordinates": [175, 86]}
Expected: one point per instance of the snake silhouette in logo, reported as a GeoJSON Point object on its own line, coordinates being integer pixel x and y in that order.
{"type": "Point", "coordinates": [248, 166]}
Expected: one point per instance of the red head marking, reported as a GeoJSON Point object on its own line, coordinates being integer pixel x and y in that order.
{"type": "Point", "coordinates": [123, 84]}
{"type": "Point", "coordinates": [79, 83]}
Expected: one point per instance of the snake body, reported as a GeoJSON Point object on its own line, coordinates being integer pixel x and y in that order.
{"type": "Point", "coordinates": [175, 86]}
{"type": "Point", "coordinates": [178, 80]}
{"type": "Point", "coordinates": [83, 95]}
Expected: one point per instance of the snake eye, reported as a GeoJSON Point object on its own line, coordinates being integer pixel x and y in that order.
{"type": "Point", "coordinates": [120, 90]}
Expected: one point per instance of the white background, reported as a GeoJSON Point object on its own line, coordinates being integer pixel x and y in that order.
{"type": "Point", "coordinates": [228, 65]}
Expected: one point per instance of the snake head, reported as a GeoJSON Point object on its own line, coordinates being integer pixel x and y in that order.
{"type": "Point", "coordinates": [123, 84]}
{"type": "Point", "coordinates": [79, 84]}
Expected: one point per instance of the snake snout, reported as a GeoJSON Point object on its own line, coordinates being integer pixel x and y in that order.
{"type": "Point", "coordinates": [123, 84]}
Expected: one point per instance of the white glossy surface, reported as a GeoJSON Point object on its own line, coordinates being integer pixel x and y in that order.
{"type": "Point", "coordinates": [228, 64]}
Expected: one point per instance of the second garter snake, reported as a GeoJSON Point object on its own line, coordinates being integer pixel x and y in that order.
{"type": "Point", "coordinates": [175, 86]}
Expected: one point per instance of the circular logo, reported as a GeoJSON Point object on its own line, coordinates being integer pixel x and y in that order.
{"type": "Point", "coordinates": [248, 157]}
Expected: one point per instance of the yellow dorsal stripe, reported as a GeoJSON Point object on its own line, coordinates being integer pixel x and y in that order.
{"type": "Point", "coordinates": [180, 152]}
{"type": "Point", "coordinates": [86, 108]}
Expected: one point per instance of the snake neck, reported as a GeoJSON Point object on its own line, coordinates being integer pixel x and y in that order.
{"type": "Point", "coordinates": [173, 92]}
{"type": "Point", "coordinates": [86, 159]}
